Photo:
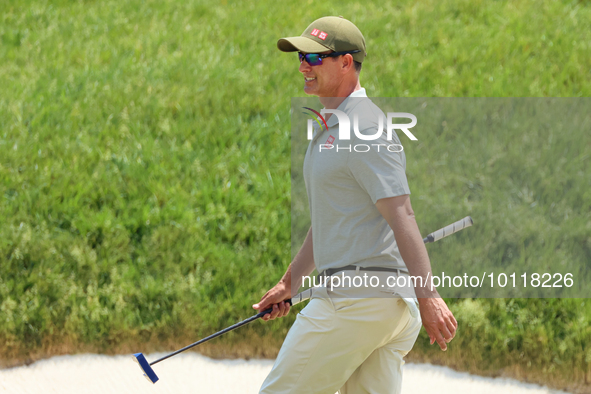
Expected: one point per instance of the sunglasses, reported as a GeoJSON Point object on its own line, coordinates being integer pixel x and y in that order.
{"type": "Point", "coordinates": [315, 59]}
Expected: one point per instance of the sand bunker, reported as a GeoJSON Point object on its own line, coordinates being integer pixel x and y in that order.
{"type": "Point", "coordinates": [193, 373]}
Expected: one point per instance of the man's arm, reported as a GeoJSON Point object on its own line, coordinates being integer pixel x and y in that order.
{"type": "Point", "coordinates": [437, 318]}
{"type": "Point", "coordinates": [302, 265]}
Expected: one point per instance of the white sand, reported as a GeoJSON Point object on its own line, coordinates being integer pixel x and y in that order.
{"type": "Point", "coordinates": [193, 373]}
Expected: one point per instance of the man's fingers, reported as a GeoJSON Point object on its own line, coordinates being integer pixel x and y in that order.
{"type": "Point", "coordinates": [442, 335]}
{"type": "Point", "coordinates": [284, 307]}
{"type": "Point", "coordinates": [440, 341]}
{"type": "Point", "coordinates": [266, 301]}
{"type": "Point", "coordinates": [263, 303]}
{"type": "Point", "coordinates": [275, 311]}
{"type": "Point", "coordinates": [447, 335]}
{"type": "Point", "coordinates": [454, 321]}
{"type": "Point", "coordinates": [452, 328]}
{"type": "Point", "coordinates": [266, 317]}
{"type": "Point", "coordinates": [272, 315]}
{"type": "Point", "coordinates": [279, 310]}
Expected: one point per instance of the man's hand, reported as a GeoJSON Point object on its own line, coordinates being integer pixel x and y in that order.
{"type": "Point", "coordinates": [276, 297]}
{"type": "Point", "coordinates": [438, 321]}
{"type": "Point", "coordinates": [302, 264]}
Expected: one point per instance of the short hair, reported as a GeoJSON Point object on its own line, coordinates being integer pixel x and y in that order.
{"type": "Point", "coordinates": [357, 66]}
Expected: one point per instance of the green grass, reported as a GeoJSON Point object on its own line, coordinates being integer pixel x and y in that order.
{"type": "Point", "coordinates": [145, 171]}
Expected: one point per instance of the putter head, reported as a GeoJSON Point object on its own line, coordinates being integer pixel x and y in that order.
{"type": "Point", "coordinates": [145, 366]}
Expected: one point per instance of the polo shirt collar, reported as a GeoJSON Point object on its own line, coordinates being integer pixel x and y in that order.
{"type": "Point", "coordinates": [334, 119]}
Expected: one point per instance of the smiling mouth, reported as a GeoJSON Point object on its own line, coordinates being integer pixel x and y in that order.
{"type": "Point", "coordinates": [309, 79]}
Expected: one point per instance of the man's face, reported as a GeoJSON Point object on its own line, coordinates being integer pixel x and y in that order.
{"type": "Point", "coordinates": [322, 80]}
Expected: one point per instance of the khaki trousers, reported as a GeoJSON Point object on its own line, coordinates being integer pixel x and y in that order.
{"type": "Point", "coordinates": [354, 345]}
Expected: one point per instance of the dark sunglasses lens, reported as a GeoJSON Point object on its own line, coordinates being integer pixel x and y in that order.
{"type": "Point", "coordinates": [313, 59]}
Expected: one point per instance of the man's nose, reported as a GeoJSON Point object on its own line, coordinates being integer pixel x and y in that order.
{"type": "Point", "coordinates": [304, 66]}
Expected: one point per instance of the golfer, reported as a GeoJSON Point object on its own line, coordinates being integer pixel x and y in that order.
{"type": "Point", "coordinates": [347, 338]}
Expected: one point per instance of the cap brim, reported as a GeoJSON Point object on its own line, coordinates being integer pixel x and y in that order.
{"type": "Point", "coordinates": [302, 44]}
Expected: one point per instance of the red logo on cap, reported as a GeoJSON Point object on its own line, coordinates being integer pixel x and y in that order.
{"type": "Point", "coordinates": [322, 35]}
{"type": "Point", "coordinates": [315, 32]}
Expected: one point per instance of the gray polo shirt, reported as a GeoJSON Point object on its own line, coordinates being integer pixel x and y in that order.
{"type": "Point", "coordinates": [343, 184]}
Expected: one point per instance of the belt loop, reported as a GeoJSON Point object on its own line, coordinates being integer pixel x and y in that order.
{"type": "Point", "coordinates": [321, 277]}
{"type": "Point", "coordinates": [357, 271]}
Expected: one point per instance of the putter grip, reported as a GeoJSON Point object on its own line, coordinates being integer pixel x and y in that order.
{"type": "Point", "coordinates": [269, 310]}
{"type": "Point", "coordinates": [448, 230]}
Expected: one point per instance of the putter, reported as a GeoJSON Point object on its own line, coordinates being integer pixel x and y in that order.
{"type": "Point", "coordinates": [300, 297]}
{"type": "Point", "coordinates": [147, 367]}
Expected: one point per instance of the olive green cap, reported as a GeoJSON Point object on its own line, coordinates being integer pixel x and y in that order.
{"type": "Point", "coordinates": [329, 33]}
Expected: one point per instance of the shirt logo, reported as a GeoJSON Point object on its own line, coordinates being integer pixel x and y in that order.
{"type": "Point", "coordinates": [322, 35]}
{"type": "Point", "coordinates": [329, 141]}
{"type": "Point", "coordinates": [315, 32]}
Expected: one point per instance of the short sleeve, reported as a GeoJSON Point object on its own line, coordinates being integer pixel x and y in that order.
{"type": "Point", "coordinates": [381, 173]}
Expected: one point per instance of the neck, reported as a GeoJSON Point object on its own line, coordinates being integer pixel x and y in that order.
{"type": "Point", "coordinates": [342, 92]}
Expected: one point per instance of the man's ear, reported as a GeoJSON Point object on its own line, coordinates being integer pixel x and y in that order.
{"type": "Point", "coordinates": [347, 62]}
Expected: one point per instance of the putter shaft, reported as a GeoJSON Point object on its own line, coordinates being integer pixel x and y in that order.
{"type": "Point", "coordinates": [217, 334]}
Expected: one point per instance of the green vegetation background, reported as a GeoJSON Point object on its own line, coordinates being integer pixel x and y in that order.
{"type": "Point", "coordinates": [145, 171]}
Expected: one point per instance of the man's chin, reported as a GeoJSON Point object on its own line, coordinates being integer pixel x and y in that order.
{"type": "Point", "coordinates": [310, 91]}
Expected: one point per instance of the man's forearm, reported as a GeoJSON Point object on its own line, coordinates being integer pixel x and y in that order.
{"type": "Point", "coordinates": [302, 264]}
{"type": "Point", "coordinates": [399, 214]}
{"type": "Point", "coordinates": [413, 252]}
